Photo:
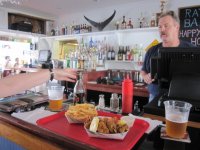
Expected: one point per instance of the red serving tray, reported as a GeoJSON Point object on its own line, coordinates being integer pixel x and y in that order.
{"type": "Point", "coordinates": [59, 125]}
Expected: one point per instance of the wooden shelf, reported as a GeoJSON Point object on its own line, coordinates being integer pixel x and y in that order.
{"type": "Point", "coordinates": [89, 79]}
{"type": "Point", "coordinates": [138, 90]}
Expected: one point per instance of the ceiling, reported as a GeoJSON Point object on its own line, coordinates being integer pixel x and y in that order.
{"type": "Point", "coordinates": [61, 7]}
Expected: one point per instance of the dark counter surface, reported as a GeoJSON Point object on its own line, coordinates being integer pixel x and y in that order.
{"type": "Point", "coordinates": [152, 108]}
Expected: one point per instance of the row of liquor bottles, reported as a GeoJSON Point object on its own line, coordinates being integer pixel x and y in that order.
{"type": "Point", "coordinates": [89, 56]}
{"type": "Point", "coordinates": [143, 22]}
{"type": "Point", "coordinates": [72, 29]}
{"type": "Point", "coordinates": [125, 54]}
{"type": "Point", "coordinates": [85, 28]}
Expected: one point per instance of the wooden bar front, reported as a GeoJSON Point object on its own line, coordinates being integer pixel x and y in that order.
{"type": "Point", "coordinates": [33, 137]}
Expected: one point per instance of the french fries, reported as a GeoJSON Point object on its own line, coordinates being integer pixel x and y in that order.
{"type": "Point", "coordinates": [80, 112]}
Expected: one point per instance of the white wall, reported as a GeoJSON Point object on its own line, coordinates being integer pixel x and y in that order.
{"type": "Point", "coordinates": [130, 10]}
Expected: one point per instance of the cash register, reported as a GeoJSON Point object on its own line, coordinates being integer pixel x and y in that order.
{"type": "Point", "coordinates": [177, 72]}
{"type": "Point", "coordinates": [44, 59]}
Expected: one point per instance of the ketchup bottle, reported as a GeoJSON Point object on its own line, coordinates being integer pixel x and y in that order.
{"type": "Point", "coordinates": [127, 95]}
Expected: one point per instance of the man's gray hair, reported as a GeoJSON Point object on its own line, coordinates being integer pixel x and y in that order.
{"type": "Point", "coordinates": [170, 13]}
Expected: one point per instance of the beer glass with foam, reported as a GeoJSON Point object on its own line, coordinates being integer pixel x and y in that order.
{"type": "Point", "coordinates": [176, 115]}
{"type": "Point", "coordinates": [55, 94]}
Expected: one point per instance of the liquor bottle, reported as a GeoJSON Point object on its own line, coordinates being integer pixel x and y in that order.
{"type": "Point", "coordinates": [112, 54]}
{"type": "Point", "coordinates": [79, 61]}
{"type": "Point", "coordinates": [123, 26]}
{"type": "Point", "coordinates": [128, 53]}
{"type": "Point", "coordinates": [82, 62]}
{"type": "Point", "coordinates": [100, 54]}
{"type": "Point", "coordinates": [123, 54]}
{"type": "Point", "coordinates": [79, 91]}
{"type": "Point", "coordinates": [119, 54]}
{"type": "Point", "coordinates": [109, 55]}
{"type": "Point", "coordinates": [66, 30]}
{"type": "Point", "coordinates": [63, 30]}
{"type": "Point", "coordinates": [91, 43]}
{"type": "Point", "coordinates": [75, 61]}
{"type": "Point", "coordinates": [130, 25]}
{"type": "Point", "coordinates": [153, 21]}
{"type": "Point", "coordinates": [67, 65]}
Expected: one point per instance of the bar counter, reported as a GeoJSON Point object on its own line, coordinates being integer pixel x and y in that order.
{"type": "Point", "coordinates": [32, 137]}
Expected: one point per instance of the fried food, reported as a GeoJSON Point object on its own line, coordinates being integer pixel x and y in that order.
{"type": "Point", "coordinates": [111, 124]}
{"type": "Point", "coordinates": [108, 125]}
{"type": "Point", "coordinates": [122, 127]}
{"type": "Point", "coordinates": [102, 128]}
{"type": "Point", "coordinates": [81, 112]}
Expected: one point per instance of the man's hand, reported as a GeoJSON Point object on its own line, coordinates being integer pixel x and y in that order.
{"type": "Point", "coordinates": [147, 77]}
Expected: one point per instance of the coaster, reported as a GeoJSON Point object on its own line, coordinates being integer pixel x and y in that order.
{"type": "Point", "coordinates": [164, 135]}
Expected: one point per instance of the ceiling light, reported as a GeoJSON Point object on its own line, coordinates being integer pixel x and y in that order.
{"type": "Point", "coordinates": [14, 2]}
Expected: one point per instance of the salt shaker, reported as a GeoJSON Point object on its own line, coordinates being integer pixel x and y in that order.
{"type": "Point", "coordinates": [114, 102]}
{"type": "Point", "coordinates": [101, 101]}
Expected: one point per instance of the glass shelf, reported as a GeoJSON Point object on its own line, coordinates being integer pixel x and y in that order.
{"type": "Point", "coordinates": [75, 36]}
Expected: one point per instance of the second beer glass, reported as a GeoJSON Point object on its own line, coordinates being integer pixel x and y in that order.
{"type": "Point", "coordinates": [176, 115]}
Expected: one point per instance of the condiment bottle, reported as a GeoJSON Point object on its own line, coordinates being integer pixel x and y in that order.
{"type": "Point", "coordinates": [114, 102]}
{"type": "Point", "coordinates": [101, 101]}
{"type": "Point", "coordinates": [127, 95]}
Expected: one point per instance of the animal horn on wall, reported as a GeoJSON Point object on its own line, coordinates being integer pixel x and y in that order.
{"type": "Point", "coordinates": [101, 25]}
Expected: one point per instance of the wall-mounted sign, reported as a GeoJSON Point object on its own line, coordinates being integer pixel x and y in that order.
{"type": "Point", "coordinates": [190, 24]}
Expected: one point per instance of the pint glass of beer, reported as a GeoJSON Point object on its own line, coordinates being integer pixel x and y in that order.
{"type": "Point", "coordinates": [55, 94]}
{"type": "Point", "coordinates": [176, 115]}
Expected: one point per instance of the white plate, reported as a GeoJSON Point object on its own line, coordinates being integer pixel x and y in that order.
{"type": "Point", "coordinates": [116, 136]}
{"type": "Point", "coordinates": [70, 120]}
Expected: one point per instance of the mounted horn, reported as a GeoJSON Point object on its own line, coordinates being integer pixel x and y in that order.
{"type": "Point", "coordinates": [101, 25]}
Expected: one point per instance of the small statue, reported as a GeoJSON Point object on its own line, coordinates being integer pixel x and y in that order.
{"type": "Point", "coordinates": [163, 3]}
{"type": "Point", "coordinates": [141, 21]}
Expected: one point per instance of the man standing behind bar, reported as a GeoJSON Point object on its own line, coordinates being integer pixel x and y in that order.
{"type": "Point", "coordinates": [168, 25]}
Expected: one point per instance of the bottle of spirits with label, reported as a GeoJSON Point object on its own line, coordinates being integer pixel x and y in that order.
{"type": "Point", "coordinates": [120, 53]}
{"type": "Point", "coordinates": [123, 26]}
{"type": "Point", "coordinates": [130, 25]}
{"type": "Point", "coordinates": [153, 20]}
{"type": "Point", "coordinates": [112, 54]}
{"type": "Point", "coordinates": [124, 54]}
{"type": "Point", "coordinates": [109, 55]}
{"type": "Point", "coordinates": [128, 53]}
